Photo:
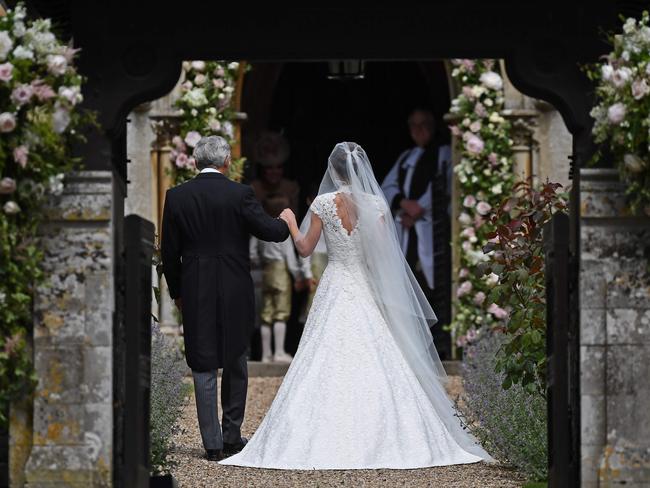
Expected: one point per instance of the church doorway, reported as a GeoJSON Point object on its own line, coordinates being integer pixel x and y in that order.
{"type": "Point", "coordinates": [314, 111]}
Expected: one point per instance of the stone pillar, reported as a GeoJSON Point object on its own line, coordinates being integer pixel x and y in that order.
{"type": "Point", "coordinates": [614, 336]}
{"type": "Point", "coordinates": [73, 338]}
{"type": "Point", "coordinates": [523, 127]}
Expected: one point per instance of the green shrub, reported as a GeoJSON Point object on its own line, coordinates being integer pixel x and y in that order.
{"type": "Point", "coordinates": [510, 424]}
{"type": "Point", "coordinates": [168, 397]}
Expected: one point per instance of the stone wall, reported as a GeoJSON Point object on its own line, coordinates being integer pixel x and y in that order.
{"type": "Point", "coordinates": [615, 336]}
{"type": "Point", "coordinates": [73, 332]}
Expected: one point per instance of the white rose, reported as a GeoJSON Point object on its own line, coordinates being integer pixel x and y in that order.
{"type": "Point", "coordinates": [56, 64]}
{"type": "Point", "coordinates": [19, 29]}
{"type": "Point", "coordinates": [492, 279]}
{"type": "Point", "coordinates": [491, 80]}
{"type": "Point", "coordinates": [6, 43]}
{"type": "Point", "coordinates": [7, 122]}
{"type": "Point", "coordinates": [233, 65]}
{"type": "Point", "coordinates": [606, 71]}
{"type": "Point", "coordinates": [488, 102]}
{"type": "Point", "coordinates": [199, 79]}
{"type": "Point", "coordinates": [60, 119]}
{"type": "Point", "coordinates": [23, 53]}
{"type": "Point", "coordinates": [616, 113]}
{"type": "Point", "coordinates": [633, 163]}
{"type": "Point", "coordinates": [186, 65]}
{"type": "Point", "coordinates": [198, 65]}
{"type": "Point", "coordinates": [11, 207]}
{"type": "Point", "coordinates": [497, 189]}
{"type": "Point", "coordinates": [71, 93]}
{"type": "Point", "coordinates": [464, 218]}
{"type": "Point", "coordinates": [192, 138]}
{"type": "Point", "coordinates": [196, 97]}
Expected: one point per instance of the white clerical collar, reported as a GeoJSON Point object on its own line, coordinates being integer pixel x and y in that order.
{"type": "Point", "coordinates": [209, 170]}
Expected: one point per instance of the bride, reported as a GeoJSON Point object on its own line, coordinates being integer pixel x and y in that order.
{"type": "Point", "coordinates": [365, 388]}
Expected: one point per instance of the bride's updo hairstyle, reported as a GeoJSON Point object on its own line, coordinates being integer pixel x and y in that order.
{"type": "Point", "coordinates": [339, 159]}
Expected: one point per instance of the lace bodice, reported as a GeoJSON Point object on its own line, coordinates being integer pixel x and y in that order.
{"type": "Point", "coordinates": [342, 245]}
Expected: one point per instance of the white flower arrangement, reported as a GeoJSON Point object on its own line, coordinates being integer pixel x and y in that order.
{"type": "Point", "coordinates": [206, 109]}
{"type": "Point", "coordinates": [622, 112]}
{"type": "Point", "coordinates": [484, 173]}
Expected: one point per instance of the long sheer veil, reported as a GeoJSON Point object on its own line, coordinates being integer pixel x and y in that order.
{"type": "Point", "coordinates": [396, 291]}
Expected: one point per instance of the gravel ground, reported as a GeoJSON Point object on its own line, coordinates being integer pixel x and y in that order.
{"type": "Point", "coordinates": [194, 471]}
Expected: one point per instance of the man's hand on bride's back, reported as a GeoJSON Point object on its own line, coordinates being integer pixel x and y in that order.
{"type": "Point", "coordinates": [289, 217]}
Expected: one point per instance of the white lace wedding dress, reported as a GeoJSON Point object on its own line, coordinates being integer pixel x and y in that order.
{"type": "Point", "coordinates": [349, 399]}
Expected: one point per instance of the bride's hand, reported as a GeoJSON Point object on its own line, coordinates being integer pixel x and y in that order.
{"type": "Point", "coordinates": [289, 217]}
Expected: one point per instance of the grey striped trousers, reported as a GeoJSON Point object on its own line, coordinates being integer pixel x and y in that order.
{"type": "Point", "coordinates": [234, 383]}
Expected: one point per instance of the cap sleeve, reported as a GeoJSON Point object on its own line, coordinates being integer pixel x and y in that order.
{"type": "Point", "coordinates": [317, 206]}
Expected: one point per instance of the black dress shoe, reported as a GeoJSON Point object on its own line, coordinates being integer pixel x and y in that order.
{"type": "Point", "coordinates": [230, 449]}
{"type": "Point", "coordinates": [213, 454]}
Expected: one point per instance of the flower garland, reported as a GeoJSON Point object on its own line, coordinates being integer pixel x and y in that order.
{"type": "Point", "coordinates": [485, 175]}
{"type": "Point", "coordinates": [205, 109]}
{"type": "Point", "coordinates": [622, 112]}
{"type": "Point", "coordinates": [39, 93]}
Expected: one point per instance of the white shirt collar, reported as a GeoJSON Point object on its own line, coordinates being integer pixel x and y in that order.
{"type": "Point", "coordinates": [209, 170]}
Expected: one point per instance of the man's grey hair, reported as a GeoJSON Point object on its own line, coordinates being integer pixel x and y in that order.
{"type": "Point", "coordinates": [211, 151]}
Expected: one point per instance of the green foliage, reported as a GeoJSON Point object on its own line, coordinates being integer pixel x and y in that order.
{"type": "Point", "coordinates": [168, 397]}
{"type": "Point", "coordinates": [39, 118]}
{"type": "Point", "coordinates": [516, 254]}
{"type": "Point", "coordinates": [510, 424]}
{"type": "Point", "coordinates": [622, 110]}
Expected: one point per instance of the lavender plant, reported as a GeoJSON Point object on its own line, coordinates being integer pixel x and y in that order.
{"type": "Point", "coordinates": [168, 397]}
{"type": "Point", "coordinates": [510, 424]}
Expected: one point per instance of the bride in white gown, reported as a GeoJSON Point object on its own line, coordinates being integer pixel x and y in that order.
{"type": "Point", "coordinates": [365, 388]}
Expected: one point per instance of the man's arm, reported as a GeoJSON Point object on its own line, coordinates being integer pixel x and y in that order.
{"type": "Point", "coordinates": [171, 250]}
{"type": "Point", "coordinates": [259, 223]}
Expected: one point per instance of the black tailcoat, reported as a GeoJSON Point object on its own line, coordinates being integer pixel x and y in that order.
{"type": "Point", "coordinates": [207, 223]}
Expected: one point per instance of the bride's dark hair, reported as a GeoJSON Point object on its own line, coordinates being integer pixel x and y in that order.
{"type": "Point", "coordinates": [339, 157]}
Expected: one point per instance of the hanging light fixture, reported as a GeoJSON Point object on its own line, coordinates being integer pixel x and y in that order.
{"type": "Point", "coordinates": [346, 69]}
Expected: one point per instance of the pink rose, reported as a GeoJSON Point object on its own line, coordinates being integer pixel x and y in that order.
{"type": "Point", "coordinates": [467, 91]}
{"type": "Point", "coordinates": [455, 130]}
{"type": "Point", "coordinates": [497, 311]}
{"type": "Point", "coordinates": [6, 71]}
{"type": "Point", "coordinates": [20, 155]}
{"type": "Point", "coordinates": [616, 113]}
{"type": "Point", "coordinates": [22, 94]}
{"type": "Point", "coordinates": [467, 246]}
{"type": "Point", "coordinates": [464, 288]}
{"type": "Point", "coordinates": [464, 273]}
{"type": "Point", "coordinates": [468, 233]}
{"type": "Point", "coordinates": [192, 138]}
{"type": "Point", "coordinates": [480, 110]}
{"type": "Point", "coordinates": [219, 71]}
{"type": "Point", "coordinates": [42, 90]}
{"type": "Point", "coordinates": [7, 186]}
{"type": "Point", "coordinates": [178, 143]}
{"type": "Point", "coordinates": [181, 160]}
{"type": "Point", "coordinates": [493, 158]}
{"type": "Point", "coordinates": [461, 341]}
{"type": "Point", "coordinates": [475, 126]}
{"type": "Point", "coordinates": [7, 122]}
{"type": "Point", "coordinates": [483, 208]}
{"type": "Point", "coordinates": [187, 85]}
{"type": "Point", "coordinates": [479, 298]}
{"type": "Point", "coordinates": [469, 201]}
{"type": "Point", "coordinates": [191, 163]}
{"type": "Point", "coordinates": [218, 83]}
{"type": "Point", "coordinates": [199, 79]}
{"type": "Point", "coordinates": [474, 144]}
{"type": "Point", "coordinates": [70, 93]}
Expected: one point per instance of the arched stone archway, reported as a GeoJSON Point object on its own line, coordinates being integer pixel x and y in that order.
{"type": "Point", "coordinates": [132, 52]}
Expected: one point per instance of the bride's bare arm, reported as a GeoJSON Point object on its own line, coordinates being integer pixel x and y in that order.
{"type": "Point", "coordinates": [305, 243]}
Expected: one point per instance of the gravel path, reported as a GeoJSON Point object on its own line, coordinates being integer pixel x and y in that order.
{"type": "Point", "coordinates": [194, 471]}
